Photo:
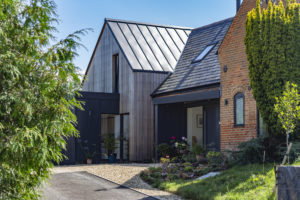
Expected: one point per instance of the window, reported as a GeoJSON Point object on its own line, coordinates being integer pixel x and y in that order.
{"type": "Point", "coordinates": [204, 53]}
{"type": "Point", "coordinates": [239, 102]}
{"type": "Point", "coordinates": [115, 73]}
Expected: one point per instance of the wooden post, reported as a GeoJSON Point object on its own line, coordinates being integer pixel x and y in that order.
{"type": "Point", "coordinates": [156, 130]}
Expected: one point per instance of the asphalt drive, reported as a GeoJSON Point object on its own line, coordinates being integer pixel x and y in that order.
{"type": "Point", "coordinates": [85, 186]}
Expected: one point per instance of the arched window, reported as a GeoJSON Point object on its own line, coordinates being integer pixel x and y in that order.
{"type": "Point", "coordinates": [239, 104]}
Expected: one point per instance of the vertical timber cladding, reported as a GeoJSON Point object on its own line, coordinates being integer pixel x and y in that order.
{"type": "Point", "coordinates": [95, 103]}
{"type": "Point", "coordinates": [141, 144]}
{"type": "Point", "coordinates": [134, 89]}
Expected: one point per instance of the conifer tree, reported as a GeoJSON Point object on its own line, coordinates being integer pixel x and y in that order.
{"type": "Point", "coordinates": [273, 51]}
{"type": "Point", "coordinates": [38, 83]}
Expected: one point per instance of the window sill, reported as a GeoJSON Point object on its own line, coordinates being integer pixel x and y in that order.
{"type": "Point", "coordinates": [239, 125]}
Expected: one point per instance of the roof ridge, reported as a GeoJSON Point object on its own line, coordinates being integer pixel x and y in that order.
{"type": "Point", "coordinates": [213, 24]}
{"type": "Point", "coordinates": [148, 24]}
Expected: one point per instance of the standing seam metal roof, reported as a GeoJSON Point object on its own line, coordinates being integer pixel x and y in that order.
{"type": "Point", "coordinates": [150, 47]}
{"type": "Point", "coordinates": [189, 74]}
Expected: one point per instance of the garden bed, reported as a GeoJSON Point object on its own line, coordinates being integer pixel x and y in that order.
{"type": "Point", "coordinates": [240, 182]}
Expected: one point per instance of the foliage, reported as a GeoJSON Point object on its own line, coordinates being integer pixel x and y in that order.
{"type": "Point", "coordinates": [198, 149]}
{"type": "Point", "coordinates": [166, 150]}
{"type": "Point", "coordinates": [249, 152]}
{"type": "Point", "coordinates": [256, 150]}
{"type": "Point", "coordinates": [38, 83]}
{"type": "Point", "coordinates": [188, 157]}
{"type": "Point", "coordinates": [181, 147]}
{"type": "Point", "coordinates": [110, 143]}
{"type": "Point", "coordinates": [88, 153]}
{"type": "Point", "coordinates": [288, 109]}
{"type": "Point", "coordinates": [273, 52]}
{"type": "Point", "coordinates": [215, 159]}
{"type": "Point", "coordinates": [239, 182]}
{"type": "Point", "coordinates": [163, 160]}
{"type": "Point", "coordinates": [294, 154]}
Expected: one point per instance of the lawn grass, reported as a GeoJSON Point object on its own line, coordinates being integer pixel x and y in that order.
{"type": "Point", "coordinates": [240, 182]}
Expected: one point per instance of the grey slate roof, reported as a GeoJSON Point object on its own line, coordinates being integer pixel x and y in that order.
{"type": "Point", "coordinates": [150, 47]}
{"type": "Point", "coordinates": [188, 74]}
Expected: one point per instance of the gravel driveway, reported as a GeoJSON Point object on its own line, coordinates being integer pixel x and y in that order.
{"type": "Point", "coordinates": [123, 174]}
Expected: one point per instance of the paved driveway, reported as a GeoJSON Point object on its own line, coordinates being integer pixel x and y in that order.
{"type": "Point", "coordinates": [82, 185]}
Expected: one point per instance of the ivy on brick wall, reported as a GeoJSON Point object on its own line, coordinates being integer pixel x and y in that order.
{"type": "Point", "coordinates": [273, 51]}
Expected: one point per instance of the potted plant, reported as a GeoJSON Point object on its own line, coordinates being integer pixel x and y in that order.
{"type": "Point", "coordinates": [110, 146]}
{"type": "Point", "coordinates": [89, 155]}
{"type": "Point", "coordinates": [199, 151]}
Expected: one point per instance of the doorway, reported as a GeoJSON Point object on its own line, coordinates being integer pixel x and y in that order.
{"type": "Point", "coordinates": [118, 126]}
{"type": "Point", "coordinates": [195, 126]}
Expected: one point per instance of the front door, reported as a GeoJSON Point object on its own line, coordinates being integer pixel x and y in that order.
{"type": "Point", "coordinates": [212, 127]}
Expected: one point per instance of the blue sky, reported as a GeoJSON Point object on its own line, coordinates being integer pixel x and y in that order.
{"type": "Point", "coordinates": [78, 14]}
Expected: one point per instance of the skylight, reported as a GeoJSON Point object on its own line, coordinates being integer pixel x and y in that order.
{"type": "Point", "coordinates": [204, 52]}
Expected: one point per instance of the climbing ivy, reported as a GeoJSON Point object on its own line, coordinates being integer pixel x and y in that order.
{"type": "Point", "coordinates": [273, 51]}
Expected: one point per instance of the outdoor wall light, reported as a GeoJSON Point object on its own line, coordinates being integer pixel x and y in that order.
{"type": "Point", "coordinates": [225, 68]}
{"type": "Point", "coordinates": [249, 88]}
{"type": "Point", "coordinates": [226, 102]}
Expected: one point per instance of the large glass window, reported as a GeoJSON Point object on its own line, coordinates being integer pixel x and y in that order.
{"type": "Point", "coordinates": [239, 102]}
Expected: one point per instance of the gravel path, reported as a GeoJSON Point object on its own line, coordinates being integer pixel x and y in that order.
{"type": "Point", "coordinates": [124, 174]}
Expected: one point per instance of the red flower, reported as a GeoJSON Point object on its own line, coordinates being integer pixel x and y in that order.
{"type": "Point", "coordinates": [173, 137]}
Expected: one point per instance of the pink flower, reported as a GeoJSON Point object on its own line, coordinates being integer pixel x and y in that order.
{"type": "Point", "coordinates": [167, 156]}
{"type": "Point", "coordinates": [173, 137]}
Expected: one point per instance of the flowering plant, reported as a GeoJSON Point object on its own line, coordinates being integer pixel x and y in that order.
{"type": "Point", "coordinates": [181, 146]}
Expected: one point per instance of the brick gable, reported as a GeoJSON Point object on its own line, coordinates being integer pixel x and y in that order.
{"type": "Point", "coordinates": [235, 80]}
{"type": "Point", "coordinates": [232, 54]}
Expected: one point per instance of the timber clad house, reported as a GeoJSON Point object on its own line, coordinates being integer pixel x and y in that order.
{"type": "Point", "coordinates": [147, 82]}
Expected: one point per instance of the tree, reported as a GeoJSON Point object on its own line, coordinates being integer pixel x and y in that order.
{"type": "Point", "coordinates": [273, 51]}
{"type": "Point", "coordinates": [288, 109]}
{"type": "Point", "coordinates": [38, 83]}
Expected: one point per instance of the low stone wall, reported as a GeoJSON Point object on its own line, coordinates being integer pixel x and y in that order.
{"type": "Point", "coordinates": [288, 182]}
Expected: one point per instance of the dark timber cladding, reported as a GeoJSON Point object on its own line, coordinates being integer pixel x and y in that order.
{"type": "Point", "coordinates": [147, 53]}
{"type": "Point", "coordinates": [88, 125]}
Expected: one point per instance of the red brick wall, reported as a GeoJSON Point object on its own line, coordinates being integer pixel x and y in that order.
{"type": "Point", "coordinates": [232, 53]}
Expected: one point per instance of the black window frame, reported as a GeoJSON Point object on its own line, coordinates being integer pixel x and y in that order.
{"type": "Point", "coordinates": [238, 96]}
{"type": "Point", "coordinates": [116, 67]}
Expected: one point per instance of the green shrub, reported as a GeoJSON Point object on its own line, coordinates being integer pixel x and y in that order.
{"type": "Point", "coordinates": [188, 169]}
{"type": "Point", "coordinates": [198, 149]}
{"type": "Point", "coordinates": [252, 151]}
{"type": "Point", "coordinates": [166, 150]}
{"type": "Point", "coordinates": [189, 158]}
{"type": "Point", "coordinates": [163, 160]}
{"type": "Point", "coordinates": [215, 159]}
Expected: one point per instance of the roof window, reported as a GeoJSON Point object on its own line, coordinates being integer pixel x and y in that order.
{"type": "Point", "coordinates": [202, 55]}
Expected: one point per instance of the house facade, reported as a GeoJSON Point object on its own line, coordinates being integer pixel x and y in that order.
{"type": "Point", "coordinates": [187, 102]}
{"type": "Point", "coordinates": [146, 83]}
{"type": "Point", "coordinates": [131, 59]}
